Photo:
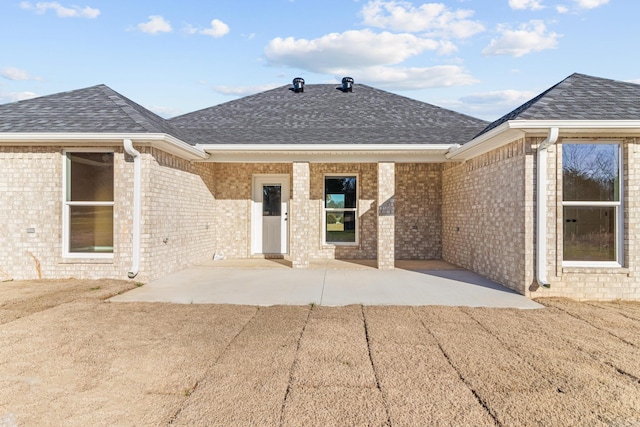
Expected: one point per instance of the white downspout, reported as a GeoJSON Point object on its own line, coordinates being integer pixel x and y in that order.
{"type": "Point", "coordinates": [137, 206]}
{"type": "Point", "coordinates": [541, 208]}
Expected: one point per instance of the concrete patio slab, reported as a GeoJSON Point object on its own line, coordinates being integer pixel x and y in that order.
{"type": "Point", "coordinates": [329, 283]}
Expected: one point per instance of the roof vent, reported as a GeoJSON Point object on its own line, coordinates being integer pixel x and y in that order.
{"type": "Point", "coordinates": [347, 84]}
{"type": "Point", "coordinates": [298, 85]}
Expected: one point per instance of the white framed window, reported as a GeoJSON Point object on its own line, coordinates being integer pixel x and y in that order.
{"type": "Point", "coordinates": [88, 203]}
{"type": "Point", "coordinates": [340, 210]}
{"type": "Point", "coordinates": [592, 204]}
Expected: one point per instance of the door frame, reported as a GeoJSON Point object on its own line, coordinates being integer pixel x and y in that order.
{"type": "Point", "coordinates": [257, 181]}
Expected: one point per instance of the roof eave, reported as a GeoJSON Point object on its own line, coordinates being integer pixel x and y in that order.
{"type": "Point", "coordinates": [512, 130]}
{"type": "Point", "coordinates": [334, 153]}
{"type": "Point", "coordinates": [162, 141]}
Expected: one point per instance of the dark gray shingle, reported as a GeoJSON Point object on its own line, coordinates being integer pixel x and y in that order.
{"type": "Point", "coordinates": [324, 115]}
{"type": "Point", "coordinates": [93, 109]}
{"type": "Point", "coordinates": [579, 97]}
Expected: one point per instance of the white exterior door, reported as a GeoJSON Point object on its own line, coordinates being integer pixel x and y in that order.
{"type": "Point", "coordinates": [270, 211]}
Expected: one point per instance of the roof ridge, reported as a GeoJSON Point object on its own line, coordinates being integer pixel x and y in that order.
{"type": "Point", "coordinates": [129, 108]}
{"type": "Point", "coordinates": [122, 103]}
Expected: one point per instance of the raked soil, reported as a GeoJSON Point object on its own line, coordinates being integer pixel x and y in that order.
{"type": "Point", "coordinates": [70, 358]}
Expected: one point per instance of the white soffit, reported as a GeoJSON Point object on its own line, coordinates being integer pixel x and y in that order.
{"type": "Point", "coordinates": [334, 153]}
{"type": "Point", "coordinates": [515, 129]}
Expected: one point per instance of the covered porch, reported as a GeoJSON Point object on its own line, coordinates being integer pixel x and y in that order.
{"type": "Point", "coordinates": [303, 212]}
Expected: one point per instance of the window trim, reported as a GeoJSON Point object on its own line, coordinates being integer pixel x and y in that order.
{"type": "Point", "coordinates": [324, 210]}
{"type": "Point", "coordinates": [66, 206]}
{"type": "Point", "coordinates": [617, 204]}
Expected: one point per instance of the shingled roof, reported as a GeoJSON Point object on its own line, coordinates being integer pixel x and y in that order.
{"type": "Point", "coordinates": [94, 109]}
{"type": "Point", "coordinates": [579, 97]}
{"type": "Point", "coordinates": [324, 115]}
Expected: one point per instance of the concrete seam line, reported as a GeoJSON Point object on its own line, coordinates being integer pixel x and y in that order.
{"type": "Point", "coordinates": [373, 367]}
{"type": "Point", "coordinates": [294, 364]}
{"type": "Point", "coordinates": [479, 399]}
{"type": "Point", "coordinates": [324, 282]}
{"type": "Point", "coordinates": [175, 416]}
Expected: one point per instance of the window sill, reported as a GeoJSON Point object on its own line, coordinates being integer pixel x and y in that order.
{"type": "Point", "coordinates": [340, 245]}
{"type": "Point", "coordinates": [595, 270]}
{"type": "Point", "coordinates": [86, 261]}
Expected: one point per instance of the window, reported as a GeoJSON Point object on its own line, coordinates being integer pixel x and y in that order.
{"type": "Point", "coordinates": [88, 204]}
{"type": "Point", "coordinates": [592, 204]}
{"type": "Point", "coordinates": [340, 210]}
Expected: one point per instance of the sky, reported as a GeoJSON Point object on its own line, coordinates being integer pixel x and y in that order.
{"type": "Point", "coordinates": [478, 57]}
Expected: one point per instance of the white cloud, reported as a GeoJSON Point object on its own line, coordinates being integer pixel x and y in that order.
{"type": "Point", "coordinates": [590, 4]}
{"type": "Point", "coordinates": [489, 105]}
{"type": "Point", "coordinates": [351, 49]}
{"type": "Point", "coordinates": [16, 96]}
{"type": "Point", "coordinates": [636, 81]}
{"type": "Point", "coordinates": [165, 112]}
{"type": "Point", "coordinates": [526, 4]}
{"type": "Point", "coordinates": [189, 29]}
{"type": "Point", "coordinates": [62, 11]}
{"type": "Point", "coordinates": [12, 73]}
{"type": "Point", "coordinates": [244, 90]}
{"type": "Point", "coordinates": [404, 78]}
{"type": "Point", "coordinates": [502, 97]}
{"type": "Point", "coordinates": [529, 37]}
{"type": "Point", "coordinates": [579, 5]}
{"type": "Point", "coordinates": [435, 19]}
{"type": "Point", "coordinates": [218, 29]}
{"type": "Point", "coordinates": [156, 24]}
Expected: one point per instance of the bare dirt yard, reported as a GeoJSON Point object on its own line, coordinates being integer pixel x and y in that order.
{"type": "Point", "coordinates": [69, 358]}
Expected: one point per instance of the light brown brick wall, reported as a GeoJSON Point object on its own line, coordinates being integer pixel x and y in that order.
{"type": "Point", "coordinates": [232, 191]}
{"type": "Point", "coordinates": [178, 205]}
{"type": "Point", "coordinates": [299, 215]}
{"type": "Point", "coordinates": [484, 215]}
{"type": "Point", "coordinates": [418, 211]}
{"type": "Point", "coordinates": [31, 196]}
{"type": "Point", "coordinates": [593, 283]}
{"type": "Point", "coordinates": [386, 215]}
{"type": "Point", "coordinates": [418, 199]}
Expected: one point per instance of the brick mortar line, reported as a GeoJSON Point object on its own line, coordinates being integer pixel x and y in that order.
{"type": "Point", "coordinates": [479, 399]}
{"type": "Point", "coordinates": [293, 367]}
{"type": "Point", "coordinates": [175, 416]}
{"type": "Point", "coordinates": [373, 367]}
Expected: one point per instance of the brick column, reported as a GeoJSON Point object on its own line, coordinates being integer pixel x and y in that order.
{"type": "Point", "coordinates": [299, 215]}
{"type": "Point", "coordinates": [386, 215]}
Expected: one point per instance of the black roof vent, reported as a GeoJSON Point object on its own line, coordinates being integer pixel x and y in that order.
{"type": "Point", "coordinates": [347, 84]}
{"type": "Point", "coordinates": [298, 85]}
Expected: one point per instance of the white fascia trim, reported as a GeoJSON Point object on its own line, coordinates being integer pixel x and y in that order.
{"type": "Point", "coordinates": [212, 148]}
{"type": "Point", "coordinates": [514, 129]}
{"type": "Point", "coordinates": [325, 152]}
{"type": "Point", "coordinates": [629, 125]}
{"type": "Point", "coordinates": [486, 142]}
{"type": "Point", "coordinates": [162, 141]}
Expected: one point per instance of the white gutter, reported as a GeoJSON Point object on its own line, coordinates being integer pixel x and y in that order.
{"type": "Point", "coordinates": [162, 141]}
{"type": "Point", "coordinates": [541, 207]}
{"type": "Point", "coordinates": [137, 206]}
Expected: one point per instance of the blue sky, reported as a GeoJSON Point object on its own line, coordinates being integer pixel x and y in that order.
{"type": "Point", "coordinates": [480, 57]}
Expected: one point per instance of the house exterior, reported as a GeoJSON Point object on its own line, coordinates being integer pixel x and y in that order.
{"type": "Point", "coordinates": [94, 185]}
